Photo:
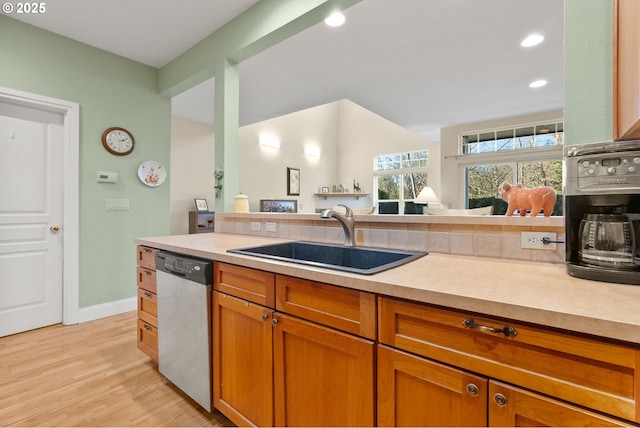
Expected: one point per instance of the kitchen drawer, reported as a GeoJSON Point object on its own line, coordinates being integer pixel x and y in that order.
{"type": "Point", "coordinates": [147, 256]}
{"type": "Point", "coordinates": [249, 284]}
{"type": "Point", "coordinates": [589, 371]}
{"type": "Point", "coordinates": [148, 307]}
{"type": "Point", "coordinates": [147, 279]}
{"type": "Point", "coordinates": [344, 309]}
{"type": "Point", "coordinates": [148, 339]}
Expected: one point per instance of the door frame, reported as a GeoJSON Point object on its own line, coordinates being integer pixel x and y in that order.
{"type": "Point", "coordinates": [70, 190]}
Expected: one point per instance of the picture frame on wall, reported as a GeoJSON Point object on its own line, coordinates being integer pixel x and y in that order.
{"type": "Point", "coordinates": [293, 181]}
{"type": "Point", "coordinates": [201, 205]}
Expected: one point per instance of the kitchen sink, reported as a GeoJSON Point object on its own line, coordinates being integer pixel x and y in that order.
{"type": "Point", "coordinates": [360, 260]}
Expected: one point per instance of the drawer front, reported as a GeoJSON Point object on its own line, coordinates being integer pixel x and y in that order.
{"type": "Point", "coordinates": [249, 284]}
{"type": "Point", "coordinates": [147, 256]}
{"type": "Point", "coordinates": [588, 371]}
{"type": "Point", "coordinates": [147, 279]}
{"type": "Point", "coordinates": [148, 339]}
{"type": "Point", "coordinates": [344, 309]}
{"type": "Point", "coordinates": [148, 307]}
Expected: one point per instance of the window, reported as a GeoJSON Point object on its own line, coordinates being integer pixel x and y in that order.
{"type": "Point", "coordinates": [531, 155]}
{"type": "Point", "coordinates": [398, 179]}
{"type": "Point", "coordinates": [512, 139]}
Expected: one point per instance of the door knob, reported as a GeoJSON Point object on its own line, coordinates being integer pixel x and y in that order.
{"type": "Point", "coordinates": [55, 228]}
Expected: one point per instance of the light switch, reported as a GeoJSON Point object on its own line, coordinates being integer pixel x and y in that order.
{"type": "Point", "coordinates": [106, 177]}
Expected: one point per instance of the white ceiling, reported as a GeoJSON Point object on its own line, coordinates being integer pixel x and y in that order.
{"type": "Point", "coordinates": [422, 64]}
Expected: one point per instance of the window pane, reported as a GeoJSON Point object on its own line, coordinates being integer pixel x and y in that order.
{"type": "Point", "coordinates": [413, 184]}
{"type": "Point", "coordinates": [411, 208]}
{"type": "Point", "coordinates": [414, 159]}
{"type": "Point", "coordinates": [388, 186]}
{"type": "Point", "coordinates": [388, 208]}
{"type": "Point", "coordinates": [484, 180]}
{"type": "Point", "coordinates": [386, 162]}
{"type": "Point", "coordinates": [534, 174]}
{"type": "Point", "coordinates": [523, 138]}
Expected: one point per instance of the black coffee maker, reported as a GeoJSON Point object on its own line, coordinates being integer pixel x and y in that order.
{"type": "Point", "coordinates": [602, 211]}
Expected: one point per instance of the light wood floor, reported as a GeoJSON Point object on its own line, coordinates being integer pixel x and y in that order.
{"type": "Point", "coordinates": [90, 374]}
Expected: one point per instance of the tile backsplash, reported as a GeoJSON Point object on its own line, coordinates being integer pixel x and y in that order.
{"type": "Point", "coordinates": [497, 238]}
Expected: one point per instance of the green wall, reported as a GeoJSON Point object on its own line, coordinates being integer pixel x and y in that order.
{"type": "Point", "coordinates": [111, 91]}
{"type": "Point", "coordinates": [588, 71]}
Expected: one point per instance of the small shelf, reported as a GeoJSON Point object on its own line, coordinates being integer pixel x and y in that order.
{"type": "Point", "coordinates": [341, 195]}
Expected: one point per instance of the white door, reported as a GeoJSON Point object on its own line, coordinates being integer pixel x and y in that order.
{"type": "Point", "coordinates": [31, 213]}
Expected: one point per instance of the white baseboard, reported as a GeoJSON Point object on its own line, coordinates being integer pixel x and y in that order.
{"type": "Point", "coordinates": [104, 310]}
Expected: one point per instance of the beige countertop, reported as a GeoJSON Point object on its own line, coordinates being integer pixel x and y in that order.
{"type": "Point", "coordinates": [540, 293]}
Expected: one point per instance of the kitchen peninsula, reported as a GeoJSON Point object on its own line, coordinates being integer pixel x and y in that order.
{"type": "Point", "coordinates": [506, 335]}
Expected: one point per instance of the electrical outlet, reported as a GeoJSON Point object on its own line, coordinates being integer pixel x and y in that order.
{"type": "Point", "coordinates": [271, 226]}
{"type": "Point", "coordinates": [255, 226]}
{"type": "Point", "coordinates": [534, 240]}
{"type": "Point", "coordinates": [117, 204]}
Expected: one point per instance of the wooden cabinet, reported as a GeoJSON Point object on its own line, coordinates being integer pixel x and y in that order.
{"type": "Point", "coordinates": [201, 222]}
{"type": "Point", "coordinates": [243, 344]}
{"type": "Point", "coordinates": [147, 302]}
{"type": "Point", "coordinates": [242, 360]}
{"type": "Point", "coordinates": [323, 377]}
{"type": "Point", "coordinates": [582, 370]}
{"type": "Point", "coordinates": [414, 391]}
{"type": "Point", "coordinates": [626, 69]}
{"type": "Point", "coordinates": [324, 372]}
{"type": "Point", "coordinates": [515, 407]}
{"type": "Point", "coordinates": [277, 368]}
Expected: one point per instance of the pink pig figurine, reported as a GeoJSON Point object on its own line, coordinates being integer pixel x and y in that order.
{"type": "Point", "coordinates": [523, 199]}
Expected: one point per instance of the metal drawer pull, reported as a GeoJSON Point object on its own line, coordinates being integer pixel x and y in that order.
{"type": "Point", "coordinates": [472, 390]}
{"type": "Point", "coordinates": [149, 295]}
{"type": "Point", "coordinates": [500, 399]}
{"type": "Point", "coordinates": [148, 327]}
{"type": "Point", "coordinates": [148, 272]}
{"type": "Point", "coordinates": [506, 330]}
{"type": "Point", "coordinates": [147, 250]}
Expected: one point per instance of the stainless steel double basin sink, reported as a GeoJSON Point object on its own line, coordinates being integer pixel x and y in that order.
{"type": "Point", "coordinates": [360, 260]}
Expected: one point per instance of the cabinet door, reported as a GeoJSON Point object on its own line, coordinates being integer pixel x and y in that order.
{"type": "Point", "coordinates": [626, 69]}
{"type": "Point", "coordinates": [242, 361]}
{"type": "Point", "coordinates": [414, 391]}
{"type": "Point", "coordinates": [323, 377]}
{"type": "Point", "coordinates": [514, 407]}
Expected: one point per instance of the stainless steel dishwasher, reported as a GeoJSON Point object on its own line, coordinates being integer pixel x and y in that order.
{"type": "Point", "coordinates": [184, 333]}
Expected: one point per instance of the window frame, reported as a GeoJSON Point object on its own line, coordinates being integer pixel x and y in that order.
{"type": "Point", "coordinates": [402, 171]}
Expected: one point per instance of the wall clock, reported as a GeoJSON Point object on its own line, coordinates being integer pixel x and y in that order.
{"type": "Point", "coordinates": [118, 141]}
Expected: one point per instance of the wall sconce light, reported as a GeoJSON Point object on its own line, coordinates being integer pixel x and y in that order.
{"type": "Point", "coordinates": [312, 152]}
{"type": "Point", "coordinates": [426, 195]}
{"type": "Point", "coordinates": [269, 141]}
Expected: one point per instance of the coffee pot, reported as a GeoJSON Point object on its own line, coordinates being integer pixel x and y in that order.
{"type": "Point", "coordinates": [610, 240]}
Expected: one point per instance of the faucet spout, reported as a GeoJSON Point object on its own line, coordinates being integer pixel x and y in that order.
{"type": "Point", "coordinates": [347, 221]}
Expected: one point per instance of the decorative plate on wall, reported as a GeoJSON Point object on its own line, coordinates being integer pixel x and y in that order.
{"type": "Point", "coordinates": [151, 173]}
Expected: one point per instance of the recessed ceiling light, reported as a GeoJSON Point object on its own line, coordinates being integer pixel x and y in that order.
{"type": "Point", "coordinates": [336, 19]}
{"type": "Point", "coordinates": [532, 40]}
{"type": "Point", "coordinates": [538, 83]}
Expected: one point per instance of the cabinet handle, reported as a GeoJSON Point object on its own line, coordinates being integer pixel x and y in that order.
{"type": "Point", "coordinates": [147, 272]}
{"type": "Point", "coordinates": [472, 390]}
{"type": "Point", "coordinates": [149, 295]}
{"type": "Point", "coordinates": [274, 322]}
{"type": "Point", "coordinates": [500, 399]}
{"type": "Point", "coordinates": [147, 250]}
{"type": "Point", "coordinates": [506, 330]}
{"type": "Point", "coordinates": [148, 327]}
{"type": "Point", "coordinates": [265, 317]}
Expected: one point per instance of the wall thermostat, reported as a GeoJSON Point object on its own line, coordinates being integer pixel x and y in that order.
{"type": "Point", "coordinates": [106, 177]}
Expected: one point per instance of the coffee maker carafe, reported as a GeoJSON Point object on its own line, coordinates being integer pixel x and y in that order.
{"type": "Point", "coordinates": [608, 240]}
{"type": "Point", "coordinates": [602, 211]}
